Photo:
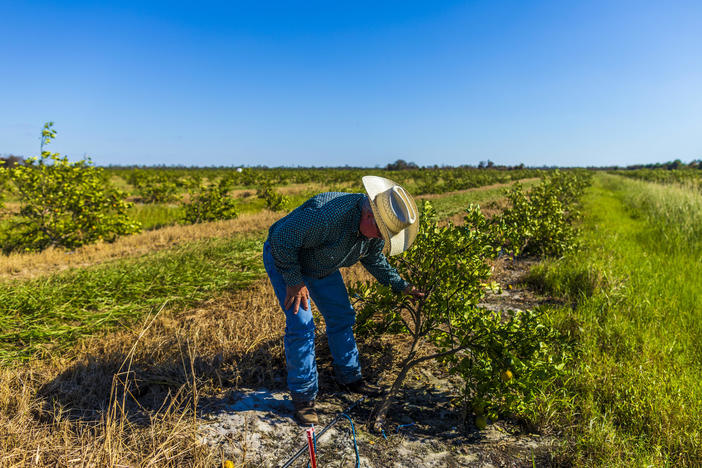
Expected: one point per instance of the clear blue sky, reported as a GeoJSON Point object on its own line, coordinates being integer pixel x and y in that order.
{"type": "Point", "coordinates": [359, 83]}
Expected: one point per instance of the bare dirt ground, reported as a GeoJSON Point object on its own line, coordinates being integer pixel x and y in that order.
{"type": "Point", "coordinates": [427, 428]}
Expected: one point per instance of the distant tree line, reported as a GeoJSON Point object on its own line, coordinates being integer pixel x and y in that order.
{"type": "Point", "coordinates": [401, 165]}
{"type": "Point", "coordinates": [11, 160]}
{"type": "Point", "coordinates": [670, 165]}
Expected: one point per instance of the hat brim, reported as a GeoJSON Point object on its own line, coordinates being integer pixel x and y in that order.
{"type": "Point", "coordinates": [401, 241]}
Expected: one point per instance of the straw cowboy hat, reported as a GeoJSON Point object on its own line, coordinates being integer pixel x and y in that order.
{"type": "Point", "coordinates": [395, 213]}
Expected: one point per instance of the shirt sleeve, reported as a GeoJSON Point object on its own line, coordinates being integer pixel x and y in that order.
{"type": "Point", "coordinates": [304, 228]}
{"type": "Point", "coordinates": [377, 265]}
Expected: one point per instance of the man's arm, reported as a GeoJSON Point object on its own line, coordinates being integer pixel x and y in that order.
{"type": "Point", "coordinates": [378, 266]}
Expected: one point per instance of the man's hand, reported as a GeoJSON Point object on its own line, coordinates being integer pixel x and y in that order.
{"type": "Point", "coordinates": [295, 296]}
{"type": "Point", "coordinates": [414, 292]}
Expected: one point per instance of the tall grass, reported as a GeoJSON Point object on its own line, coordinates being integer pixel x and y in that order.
{"type": "Point", "coordinates": [635, 395]}
{"type": "Point", "coordinates": [156, 215]}
{"type": "Point", "coordinates": [54, 311]}
{"type": "Point", "coordinates": [675, 210]}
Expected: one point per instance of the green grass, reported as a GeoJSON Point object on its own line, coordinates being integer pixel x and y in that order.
{"type": "Point", "coordinates": [156, 215]}
{"type": "Point", "coordinates": [635, 395]}
{"type": "Point", "coordinates": [53, 312]}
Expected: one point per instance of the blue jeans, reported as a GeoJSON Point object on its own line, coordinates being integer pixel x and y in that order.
{"type": "Point", "coordinates": [332, 300]}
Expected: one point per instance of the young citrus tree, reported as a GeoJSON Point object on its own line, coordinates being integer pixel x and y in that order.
{"type": "Point", "coordinates": [63, 203]}
{"type": "Point", "coordinates": [274, 201]}
{"type": "Point", "coordinates": [211, 203]}
{"type": "Point", "coordinates": [155, 186]}
{"type": "Point", "coordinates": [450, 264]}
{"type": "Point", "coordinates": [3, 183]}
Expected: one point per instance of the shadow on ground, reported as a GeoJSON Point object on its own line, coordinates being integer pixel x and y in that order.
{"type": "Point", "coordinates": [148, 383]}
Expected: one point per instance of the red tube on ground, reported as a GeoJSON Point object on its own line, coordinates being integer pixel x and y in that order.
{"type": "Point", "coordinates": [310, 445]}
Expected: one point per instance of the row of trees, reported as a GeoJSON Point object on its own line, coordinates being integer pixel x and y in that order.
{"type": "Point", "coordinates": [11, 160]}
{"type": "Point", "coordinates": [669, 166]}
{"type": "Point", "coordinates": [503, 358]}
{"type": "Point", "coordinates": [164, 185]}
{"type": "Point", "coordinates": [687, 175]}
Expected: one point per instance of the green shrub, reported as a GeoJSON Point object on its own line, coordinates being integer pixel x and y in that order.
{"type": "Point", "coordinates": [4, 182]}
{"type": "Point", "coordinates": [156, 187]}
{"type": "Point", "coordinates": [64, 204]}
{"type": "Point", "coordinates": [274, 200]}
{"type": "Point", "coordinates": [210, 204]}
{"type": "Point", "coordinates": [540, 222]}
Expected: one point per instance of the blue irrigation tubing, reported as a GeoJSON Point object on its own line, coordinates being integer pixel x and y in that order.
{"type": "Point", "coordinates": [355, 445]}
{"type": "Point", "coordinates": [397, 431]}
{"type": "Point", "coordinates": [326, 428]}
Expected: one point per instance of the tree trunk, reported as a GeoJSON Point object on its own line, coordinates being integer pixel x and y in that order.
{"type": "Point", "coordinates": [377, 418]}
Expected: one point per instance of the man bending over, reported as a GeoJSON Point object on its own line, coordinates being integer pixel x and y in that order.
{"type": "Point", "coordinates": [302, 256]}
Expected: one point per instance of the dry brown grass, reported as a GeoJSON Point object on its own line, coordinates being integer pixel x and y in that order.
{"type": "Point", "coordinates": [130, 397]}
{"type": "Point", "coordinates": [26, 265]}
{"type": "Point", "coordinates": [291, 189]}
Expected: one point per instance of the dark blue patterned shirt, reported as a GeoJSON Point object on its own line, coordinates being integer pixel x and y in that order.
{"type": "Point", "coordinates": [322, 235]}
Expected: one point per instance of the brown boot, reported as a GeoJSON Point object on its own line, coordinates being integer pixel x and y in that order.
{"type": "Point", "coordinates": [305, 414]}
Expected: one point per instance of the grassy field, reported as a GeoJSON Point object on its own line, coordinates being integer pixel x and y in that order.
{"type": "Point", "coordinates": [635, 396]}
{"type": "Point", "coordinates": [69, 321]}
{"type": "Point", "coordinates": [156, 215]}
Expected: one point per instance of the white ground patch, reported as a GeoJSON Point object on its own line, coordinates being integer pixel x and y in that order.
{"type": "Point", "coordinates": [255, 429]}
